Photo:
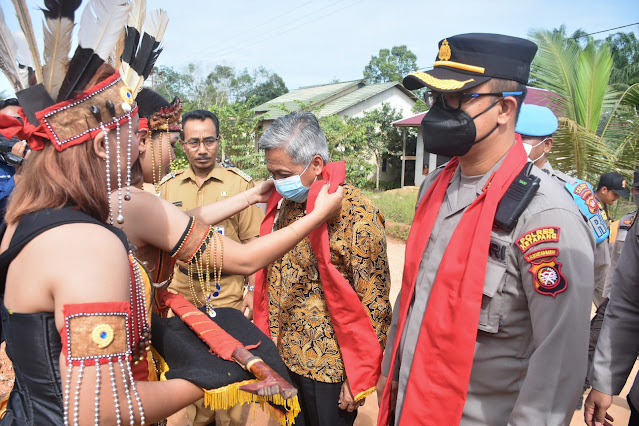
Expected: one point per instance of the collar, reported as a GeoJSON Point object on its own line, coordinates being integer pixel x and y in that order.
{"type": "Point", "coordinates": [216, 173]}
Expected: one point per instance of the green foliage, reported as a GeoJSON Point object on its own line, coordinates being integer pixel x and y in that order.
{"type": "Point", "coordinates": [398, 208]}
{"type": "Point", "coordinates": [390, 65]}
{"type": "Point", "coordinates": [598, 127]}
{"type": "Point", "coordinates": [624, 48]}
{"type": "Point", "coordinates": [239, 131]}
{"type": "Point", "coordinates": [222, 86]}
{"type": "Point", "coordinates": [382, 139]}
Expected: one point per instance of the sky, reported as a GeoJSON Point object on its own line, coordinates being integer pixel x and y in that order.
{"type": "Point", "coordinates": [309, 42]}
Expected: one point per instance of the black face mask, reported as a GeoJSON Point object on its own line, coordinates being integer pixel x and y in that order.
{"type": "Point", "coordinates": [451, 132]}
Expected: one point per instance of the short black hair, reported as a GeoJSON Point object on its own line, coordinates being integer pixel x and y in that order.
{"type": "Point", "coordinates": [149, 102]}
{"type": "Point", "coordinates": [502, 85]}
{"type": "Point", "coordinates": [9, 102]}
{"type": "Point", "coordinates": [201, 114]}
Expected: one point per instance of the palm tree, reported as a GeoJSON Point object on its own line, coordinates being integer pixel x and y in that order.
{"type": "Point", "coordinates": [599, 127]}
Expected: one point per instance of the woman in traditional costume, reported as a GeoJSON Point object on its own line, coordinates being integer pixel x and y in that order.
{"type": "Point", "coordinates": [74, 308]}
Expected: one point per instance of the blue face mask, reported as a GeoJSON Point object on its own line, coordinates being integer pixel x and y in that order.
{"type": "Point", "coordinates": [292, 188]}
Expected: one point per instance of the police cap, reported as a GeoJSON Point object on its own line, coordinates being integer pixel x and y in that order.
{"type": "Point", "coordinates": [468, 60]}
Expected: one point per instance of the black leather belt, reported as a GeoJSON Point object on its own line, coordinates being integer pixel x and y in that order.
{"type": "Point", "coordinates": [195, 274]}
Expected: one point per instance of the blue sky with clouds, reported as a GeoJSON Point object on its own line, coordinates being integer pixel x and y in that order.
{"type": "Point", "coordinates": [313, 42]}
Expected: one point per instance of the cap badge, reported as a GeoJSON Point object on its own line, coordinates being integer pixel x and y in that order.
{"type": "Point", "coordinates": [623, 183]}
{"type": "Point", "coordinates": [444, 51]}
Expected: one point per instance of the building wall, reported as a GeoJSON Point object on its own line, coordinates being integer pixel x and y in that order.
{"type": "Point", "coordinates": [393, 96]}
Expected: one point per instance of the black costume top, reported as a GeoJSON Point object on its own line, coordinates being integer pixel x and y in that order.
{"type": "Point", "coordinates": [33, 341]}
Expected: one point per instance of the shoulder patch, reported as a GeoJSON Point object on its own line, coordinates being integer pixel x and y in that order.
{"type": "Point", "coordinates": [240, 173]}
{"type": "Point", "coordinates": [170, 176]}
{"type": "Point", "coordinates": [538, 236]}
{"type": "Point", "coordinates": [546, 271]}
{"type": "Point", "coordinates": [583, 195]}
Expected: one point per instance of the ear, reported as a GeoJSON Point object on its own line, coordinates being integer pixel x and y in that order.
{"type": "Point", "coordinates": [317, 165]}
{"type": "Point", "coordinates": [508, 110]}
{"type": "Point", "coordinates": [99, 146]}
{"type": "Point", "coordinates": [142, 136]}
{"type": "Point", "coordinates": [548, 145]}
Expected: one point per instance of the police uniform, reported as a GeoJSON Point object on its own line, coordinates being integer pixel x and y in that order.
{"type": "Point", "coordinates": [181, 189]}
{"type": "Point", "coordinates": [538, 121]}
{"type": "Point", "coordinates": [618, 344]}
{"type": "Point", "coordinates": [617, 245]}
{"type": "Point", "coordinates": [529, 358]}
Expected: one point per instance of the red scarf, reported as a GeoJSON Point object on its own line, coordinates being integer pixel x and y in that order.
{"type": "Point", "coordinates": [438, 381]}
{"type": "Point", "coordinates": [355, 335]}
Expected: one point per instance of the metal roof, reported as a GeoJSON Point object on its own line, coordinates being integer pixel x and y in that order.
{"type": "Point", "coordinates": [331, 98]}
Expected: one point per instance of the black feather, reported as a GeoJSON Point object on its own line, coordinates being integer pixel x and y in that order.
{"type": "Point", "coordinates": [82, 67]}
{"type": "Point", "coordinates": [131, 41]}
{"type": "Point", "coordinates": [143, 53]}
{"type": "Point", "coordinates": [151, 62]}
{"type": "Point", "coordinates": [55, 9]}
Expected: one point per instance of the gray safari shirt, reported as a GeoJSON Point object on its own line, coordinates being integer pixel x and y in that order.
{"type": "Point", "coordinates": [532, 340]}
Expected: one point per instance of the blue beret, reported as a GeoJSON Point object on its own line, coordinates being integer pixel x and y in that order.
{"type": "Point", "coordinates": [535, 120]}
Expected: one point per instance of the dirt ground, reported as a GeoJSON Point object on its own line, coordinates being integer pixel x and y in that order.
{"type": "Point", "coordinates": [367, 416]}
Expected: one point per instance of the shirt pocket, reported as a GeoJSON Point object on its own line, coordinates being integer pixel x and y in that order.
{"type": "Point", "coordinates": [491, 303]}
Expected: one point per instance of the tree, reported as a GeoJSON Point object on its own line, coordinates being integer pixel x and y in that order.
{"type": "Point", "coordinates": [239, 131]}
{"type": "Point", "coordinates": [223, 85]}
{"type": "Point", "coordinates": [599, 128]}
{"type": "Point", "coordinates": [390, 65]}
{"type": "Point", "coordinates": [383, 140]}
{"type": "Point", "coordinates": [624, 48]}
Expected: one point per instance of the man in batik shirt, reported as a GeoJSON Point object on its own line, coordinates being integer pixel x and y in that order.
{"type": "Point", "coordinates": [328, 310]}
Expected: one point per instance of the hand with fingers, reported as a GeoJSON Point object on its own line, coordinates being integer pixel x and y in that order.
{"type": "Point", "coordinates": [595, 409]}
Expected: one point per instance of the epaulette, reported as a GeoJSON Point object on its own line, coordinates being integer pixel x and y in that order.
{"type": "Point", "coordinates": [240, 173]}
{"type": "Point", "coordinates": [170, 176]}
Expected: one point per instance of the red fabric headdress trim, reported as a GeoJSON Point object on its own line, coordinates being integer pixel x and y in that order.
{"type": "Point", "coordinates": [356, 337]}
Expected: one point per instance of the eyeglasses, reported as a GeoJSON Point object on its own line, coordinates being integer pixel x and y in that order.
{"type": "Point", "coordinates": [453, 101]}
{"type": "Point", "coordinates": [195, 143]}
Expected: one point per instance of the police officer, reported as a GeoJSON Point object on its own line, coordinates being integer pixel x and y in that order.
{"type": "Point", "coordinates": [610, 188]}
{"type": "Point", "coordinates": [202, 183]}
{"type": "Point", "coordinates": [492, 321]}
{"type": "Point", "coordinates": [536, 125]}
{"type": "Point", "coordinates": [618, 344]}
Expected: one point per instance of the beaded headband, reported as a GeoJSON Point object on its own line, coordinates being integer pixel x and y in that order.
{"type": "Point", "coordinates": [104, 106]}
{"type": "Point", "coordinates": [167, 118]}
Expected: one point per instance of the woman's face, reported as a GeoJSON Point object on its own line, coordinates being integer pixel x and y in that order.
{"type": "Point", "coordinates": [157, 154]}
{"type": "Point", "coordinates": [128, 146]}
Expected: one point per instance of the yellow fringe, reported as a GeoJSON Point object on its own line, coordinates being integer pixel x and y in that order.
{"type": "Point", "coordinates": [227, 396]}
{"type": "Point", "coordinates": [365, 394]}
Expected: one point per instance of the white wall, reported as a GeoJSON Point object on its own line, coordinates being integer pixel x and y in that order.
{"type": "Point", "coordinates": [393, 96]}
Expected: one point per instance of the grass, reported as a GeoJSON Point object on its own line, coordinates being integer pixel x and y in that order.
{"type": "Point", "coordinates": [398, 208]}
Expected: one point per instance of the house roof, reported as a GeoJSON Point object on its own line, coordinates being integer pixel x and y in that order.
{"type": "Point", "coordinates": [414, 121]}
{"type": "Point", "coordinates": [332, 98]}
{"type": "Point", "coordinates": [535, 96]}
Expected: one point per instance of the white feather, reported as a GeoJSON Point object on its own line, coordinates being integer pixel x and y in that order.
{"type": "Point", "coordinates": [23, 54]}
{"type": "Point", "coordinates": [24, 19]}
{"type": "Point", "coordinates": [8, 61]}
{"type": "Point", "coordinates": [138, 14]}
{"type": "Point", "coordinates": [57, 44]}
{"type": "Point", "coordinates": [102, 24]}
{"type": "Point", "coordinates": [156, 23]}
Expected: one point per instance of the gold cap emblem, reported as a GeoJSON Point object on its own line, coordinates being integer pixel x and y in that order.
{"type": "Point", "coordinates": [444, 51]}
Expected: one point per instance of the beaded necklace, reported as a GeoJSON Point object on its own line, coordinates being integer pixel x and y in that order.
{"type": "Point", "coordinates": [200, 265]}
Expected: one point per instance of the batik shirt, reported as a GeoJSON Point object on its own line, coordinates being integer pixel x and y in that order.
{"type": "Point", "coordinates": [298, 312]}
